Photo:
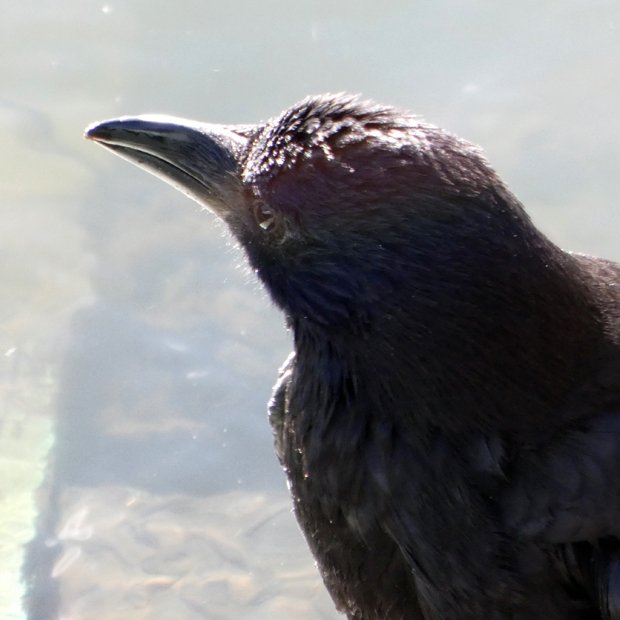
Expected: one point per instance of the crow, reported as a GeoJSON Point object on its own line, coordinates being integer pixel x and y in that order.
{"type": "Point", "coordinates": [449, 420]}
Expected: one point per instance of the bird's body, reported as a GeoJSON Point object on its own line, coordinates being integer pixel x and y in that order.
{"type": "Point", "coordinates": [385, 488]}
{"type": "Point", "coordinates": [450, 419]}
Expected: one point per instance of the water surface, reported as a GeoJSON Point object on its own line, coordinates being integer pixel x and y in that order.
{"type": "Point", "coordinates": [136, 350]}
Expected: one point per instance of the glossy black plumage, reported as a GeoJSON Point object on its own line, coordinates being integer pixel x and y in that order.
{"type": "Point", "coordinates": [450, 419]}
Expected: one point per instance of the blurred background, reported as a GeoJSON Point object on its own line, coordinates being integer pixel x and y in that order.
{"type": "Point", "coordinates": [137, 352]}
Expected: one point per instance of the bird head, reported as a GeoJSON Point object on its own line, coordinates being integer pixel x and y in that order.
{"type": "Point", "coordinates": [390, 236]}
{"type": "Point", "coordinates": [339, 203]}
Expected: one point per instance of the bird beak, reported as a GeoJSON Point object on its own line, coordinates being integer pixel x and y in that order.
{"type": "Point", "coordinates": [199, 159]}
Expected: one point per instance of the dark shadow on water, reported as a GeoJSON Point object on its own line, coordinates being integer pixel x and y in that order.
{"type": "Point", "coordinates": [157, 390]}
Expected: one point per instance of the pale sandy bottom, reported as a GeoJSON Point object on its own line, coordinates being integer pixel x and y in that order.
{"type": "Point", "coordinates": [130, 554]}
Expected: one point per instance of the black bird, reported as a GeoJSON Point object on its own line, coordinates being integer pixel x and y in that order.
{"type": "Point", "coordinates": [450, 419]}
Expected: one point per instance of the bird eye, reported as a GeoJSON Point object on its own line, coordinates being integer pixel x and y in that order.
{"type": "Point", "coordinates": [265, 216]}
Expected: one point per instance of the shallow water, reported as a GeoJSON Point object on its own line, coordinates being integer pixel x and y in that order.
{"type": "Point", "coordinates": [137, 352]}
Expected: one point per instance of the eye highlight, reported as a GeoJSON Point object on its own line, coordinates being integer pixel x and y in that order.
{"type": "Point", "coordinates": [265, 216]}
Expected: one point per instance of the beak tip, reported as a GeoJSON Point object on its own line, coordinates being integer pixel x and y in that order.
{"type": "Point", "coordinates": [95, 131]}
